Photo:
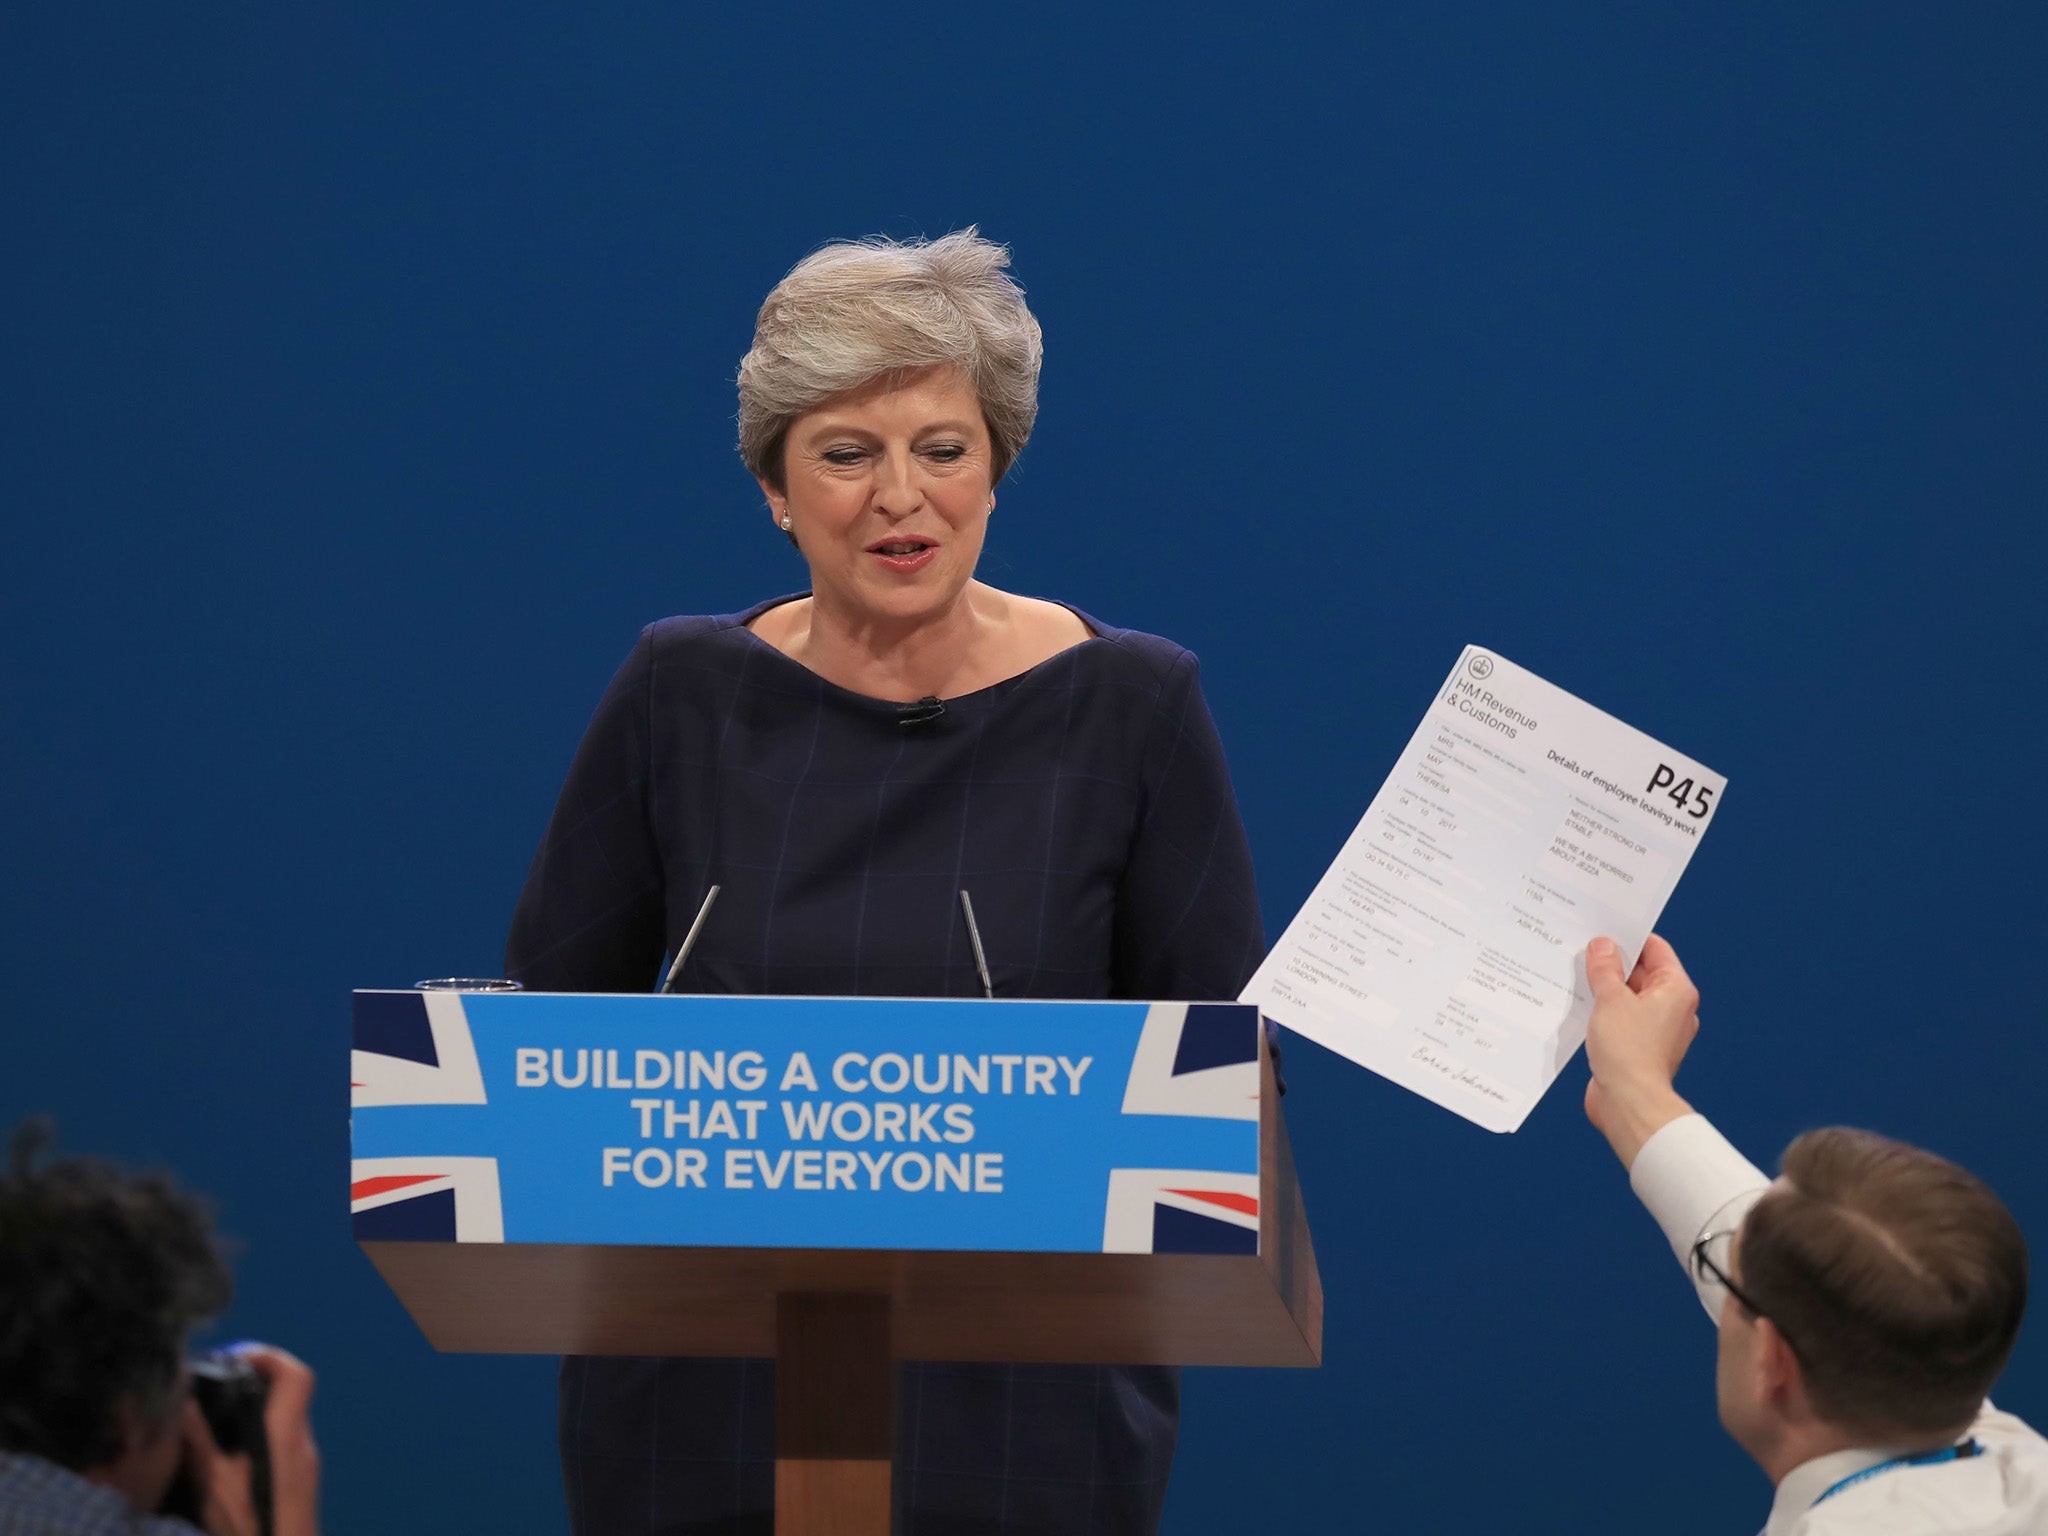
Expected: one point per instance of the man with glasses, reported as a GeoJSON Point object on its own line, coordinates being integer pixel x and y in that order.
{"type": "Point", "coordinates": [1867, 1298]}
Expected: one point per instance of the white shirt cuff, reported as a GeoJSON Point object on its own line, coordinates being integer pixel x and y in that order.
{"type": "Point", "coordinates": [1693, 1182]}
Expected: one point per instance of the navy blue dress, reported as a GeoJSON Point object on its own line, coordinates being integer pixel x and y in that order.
{"type": "Point", "coordinates": [1086, 808]}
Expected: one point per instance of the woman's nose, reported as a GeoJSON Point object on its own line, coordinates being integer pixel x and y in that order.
{"type": "Point", "coordinates": [897, 492]}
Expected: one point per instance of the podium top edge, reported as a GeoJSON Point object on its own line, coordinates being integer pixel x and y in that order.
{"type": "Point", "coordinates": [815, 997]}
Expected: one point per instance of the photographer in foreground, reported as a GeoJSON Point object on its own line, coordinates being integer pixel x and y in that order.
{"type": "Point", "coordinates": [103, 1275]}
{"type": "Point", "coordinates": [1867, 1298]}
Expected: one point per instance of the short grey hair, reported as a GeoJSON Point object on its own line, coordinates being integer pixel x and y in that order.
{"type": "Point", "coordinates": [857, 311]}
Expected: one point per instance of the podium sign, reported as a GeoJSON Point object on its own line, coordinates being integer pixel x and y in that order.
{"type": "Point", "coordinates": [837, 1182]}
{"type": "Point", "coordinates": [797, 1122]}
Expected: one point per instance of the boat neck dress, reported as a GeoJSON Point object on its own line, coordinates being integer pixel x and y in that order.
{"type": "Point", "coordinates": [1085, 806]}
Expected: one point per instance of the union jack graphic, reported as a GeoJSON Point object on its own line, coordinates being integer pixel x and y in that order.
{"type": "Point", "coordinates": [1181, 1210]}
{"type": "Point", "coordinates": [413, 1048]}
{"type": "Point", "coordinates": [426, 1199]}
{"type": "Point", "coordinates": [1196, 1059]}
{"type": "Point", "coordinates": [416, 1048]}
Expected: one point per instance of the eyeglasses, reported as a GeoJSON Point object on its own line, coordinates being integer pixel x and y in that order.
{"type": "Point", "coordinates": [1712, 1257]}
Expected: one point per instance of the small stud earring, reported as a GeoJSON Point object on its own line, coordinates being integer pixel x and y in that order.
{"type": "Point", "coordinates": [785, 522]}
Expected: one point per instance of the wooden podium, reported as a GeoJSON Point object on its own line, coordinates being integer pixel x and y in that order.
{"type": "Point", "coordinates": [1142, 1208]}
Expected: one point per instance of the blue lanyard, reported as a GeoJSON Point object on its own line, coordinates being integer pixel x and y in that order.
{"type": "Point", "coordinates": [1925, 1459]}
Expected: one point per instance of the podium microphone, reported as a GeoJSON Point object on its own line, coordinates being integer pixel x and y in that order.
{"type": "Point", "coordinates": [675, 971]}
{"type": "Point", "coordinates": [988, 988]}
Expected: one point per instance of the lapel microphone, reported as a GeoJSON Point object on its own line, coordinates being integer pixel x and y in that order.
{"type": "Point", "coordinates": [925, 711]}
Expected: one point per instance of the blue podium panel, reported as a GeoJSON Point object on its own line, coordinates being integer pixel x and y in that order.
{"type": "Point", "coordinates": [815, 1123]}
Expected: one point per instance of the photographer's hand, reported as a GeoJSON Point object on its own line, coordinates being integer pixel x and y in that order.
{"type": "Point", "coordinates": [228, 1506]}
{"type": "Point", "coordinates": [294, 1459]}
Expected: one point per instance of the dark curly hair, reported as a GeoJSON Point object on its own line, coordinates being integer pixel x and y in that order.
{"type": "Point", "coordinates": [103, 1273]}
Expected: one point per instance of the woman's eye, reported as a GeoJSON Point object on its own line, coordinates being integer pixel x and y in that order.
{"type": "Point", "coordinates": [945, 453]}
{"type": "Point", "coordinates": [842, 455]}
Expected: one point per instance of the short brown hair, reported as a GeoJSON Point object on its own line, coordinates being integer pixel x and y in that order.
{"type": "Point", "coordinates": [1898, 1278]}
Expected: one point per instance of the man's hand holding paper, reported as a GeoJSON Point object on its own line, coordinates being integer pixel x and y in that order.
{"type": "Point", "coordinates": [1640, 1030]}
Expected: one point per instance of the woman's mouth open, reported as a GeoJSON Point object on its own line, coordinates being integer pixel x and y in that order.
{"type": "Point", "coordinates": [907, 554]}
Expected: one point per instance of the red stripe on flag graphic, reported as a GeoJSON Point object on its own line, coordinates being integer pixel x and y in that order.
{"type": "Point", "coordinates": [362, 1189]}
{"type": "Point", "coordinates": [1246, 1204]}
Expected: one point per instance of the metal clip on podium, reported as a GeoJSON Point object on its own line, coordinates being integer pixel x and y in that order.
{"type": "Point", "coordinates": [841, 1183]}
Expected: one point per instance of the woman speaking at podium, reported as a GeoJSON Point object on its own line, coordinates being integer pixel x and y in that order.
{"type": "Point", "coordinates": [842, 764]}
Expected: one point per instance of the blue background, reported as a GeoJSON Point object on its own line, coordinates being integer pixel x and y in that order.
{"type": "Point", "coordinates": [365, 384]}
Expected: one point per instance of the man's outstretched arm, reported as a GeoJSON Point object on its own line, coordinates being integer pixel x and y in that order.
{"type": "Point", "coordinates": [1681, 1168]}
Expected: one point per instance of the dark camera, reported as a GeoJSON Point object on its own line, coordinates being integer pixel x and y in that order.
{"type": "Point", "coordinates": [231, 1394]}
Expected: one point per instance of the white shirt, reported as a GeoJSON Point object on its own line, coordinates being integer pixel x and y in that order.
{"type": "Point", "coordinates": [1695, 1183]}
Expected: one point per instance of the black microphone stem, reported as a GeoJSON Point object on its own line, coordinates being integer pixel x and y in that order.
{"type": "Point", "coordinates": [974, 936]}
